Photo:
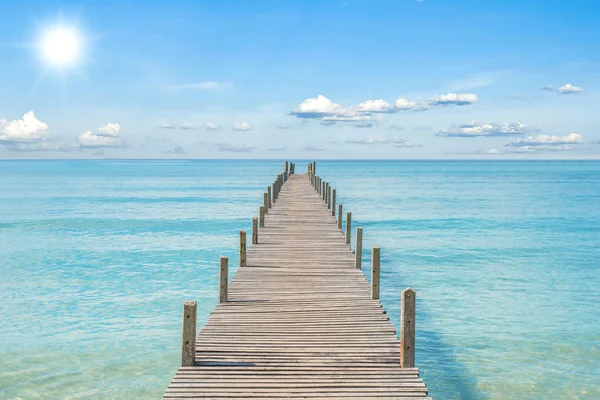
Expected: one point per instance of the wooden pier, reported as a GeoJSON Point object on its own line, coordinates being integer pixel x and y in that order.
{"type": "Point", "coordinates": [299, 318]}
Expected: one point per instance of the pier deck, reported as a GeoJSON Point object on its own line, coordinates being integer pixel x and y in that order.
{"type": "Point", "coordinates": [299, 321]}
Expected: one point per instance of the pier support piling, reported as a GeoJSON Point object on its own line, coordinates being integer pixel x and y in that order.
{"type": "Point", "coordinates": [333, 203]}
{"type": "Point", "coordinates": [375, 263]}
{"type": "Point", "coordinates": [261, 217]}
{"type": "Point", "coordinates": [242, 248]}
{"type": "Point", "coordinates": [188, 334]}
{"type": "Point", "coordinates": [407, 328]}
{"type": "Point", "coordinates": [348, 227]}
{"type": "Point", "coordinates": [358, 252]}
{"type": "Point", "coordinates": [254, 230]}
{"type": "Point", "coordinates": [223, 279]}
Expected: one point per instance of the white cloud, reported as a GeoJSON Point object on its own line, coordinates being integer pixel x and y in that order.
{"type": "Point", "coordinates": [45, 145]}
{"type": "Point", "coordinates": [348, 116]}
{"type": "Point", "coordinates": [318, 107]}
{"type": "Point", "coordinates": [396, 141]}
{"type": "Point", "coordinates": [405, 105]}
{"type": "Point", "coordinates": [477, 129]}
{"type": "Point", "coordinates": [29, 129]}
{"type": "Point", "coordinates": [242, 126]}
{"type": "Point", "coordinates": [107, 136]}
{"type": "Point", "coordinates": [110, 129]}
{"type": "Point", "coordinates": [547, 140]}
{"type": "Point", "coordinates": [166, 126]}
{"type": "Point", "coordinates": [211, 126]}
{"type": "Point", "coordinates": [493, 151]}
{"type": "Point", "coordinates": [568, 89]}
{"type": "Point", "coordinates": [375, 106]}
{"type": "Point", "coordinates": [550, 88]}
{"type": "Point", "coordinates": [458, 99]}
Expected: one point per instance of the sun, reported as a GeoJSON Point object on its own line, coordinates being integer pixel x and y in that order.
{"type": "Point", "coordinates": [61, 46]}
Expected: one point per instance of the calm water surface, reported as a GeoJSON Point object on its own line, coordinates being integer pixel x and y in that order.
{"type": "Point", "coordinates": [96, 258]}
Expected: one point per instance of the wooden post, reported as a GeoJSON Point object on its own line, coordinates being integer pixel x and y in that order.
{"type": "Point", "coordinates": [266, 202]}
{"type": "Point", "coordinates": [348, 227]}
{"type": "Point", "coordinates": [223, 277]}
{"type": "Point", "coordinates": [285, 166]}
{"type": "Point", "coordinates": [328, 197]}
{"type": "Point", "coordinates": [340, 208]}
{"type": "Point", "coordinates": [254, 230]}
{"type": "Point", "coordinates": [242, 248]}
{"type": "Point", "coordinates": [323, 190]}
{"type": "Point", "coordinates": [358, 252]}
{"type": "Point", "coordinates": [407, 328]}
{"type": "Point", "coordinates": [314, 168]}
{"type": "Point", "coordinates": [269, 196]}
{"type": "Point", "coordinates": [261, 216]}
{"type": "Point", "coordinates": [375, 273]}
{"type": "Point", "coordinates": [188, 334]}
{"type": "Point", "coordinates": [274, 194]}
{"type": "Point", "coordinates": [326, 192]}
{"type": "Point", "coordinates": [333, 203]}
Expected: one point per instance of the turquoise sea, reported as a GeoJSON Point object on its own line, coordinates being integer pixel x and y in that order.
{"type": "Point", "coordinates": [96, 258]}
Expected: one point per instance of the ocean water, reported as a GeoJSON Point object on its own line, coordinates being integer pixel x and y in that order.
{"type": "Point", "coordinates": [96, 258]}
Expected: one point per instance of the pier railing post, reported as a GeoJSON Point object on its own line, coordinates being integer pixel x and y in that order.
{"type": "Point", "coordinates": [314, 167]}
{"type": "Point", "coordinates": [242, 248]}
{"type": "Point", "coordinates": [188, 334]}
{"type": "Point", "coordinates": [333, 203]}
{"type": "Point", "coordinates": [358, 253]}
{"type": "Point", "coordinates": [340, 208]}
{"type": "Point", "coordinates": [348, 227]}
{"type": "Point", "coordinates": [407, 328]}
{"type": "Point", "coordinates": [254, 230]}
{"type": "Point", "coordinates": [223, 277]}
{"type": "Point", "coordinates": [269, 196]}
{"type": "Point", "coordinates": [323, 190]}
{"type": "Point", "coordinates": [266, 202]}
{"type": "Point", "coordinates": [328, 197]}
{"type": "Point", "coordinates": [326, 192]}
{"type": "Point", "coordinates": [375, 263]}
{"type": "Point", "coordinates": [261, 216]}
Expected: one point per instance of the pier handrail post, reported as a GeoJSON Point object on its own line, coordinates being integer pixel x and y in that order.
{"type": "Point", "coordinates": [340, 215]}
{"type": "Point", "coordinates": [323, 190]}
{"type": "Point", "coordinates": [333, 203]}
{"type": "Point", "coordinates": [407, 328]}
{"type": "Point", "coordinates": [261, 216]}
{"type": "Point", "coordinates": [348, 227]}
{"type": "Point", "coordinates": [242, 248]}
{"type": "Point", "coordinates": [254, 230]}
{"type": "Point", "coordinates": [223, 278]}
{"type": "Point", "coordinates": [327, 193]}
{"type": "Point", "coordinates": [188, 334]}
{"type": "Point", "coordinates": [269, 196]}
{"type": "Point", "coordinates": [285, 167]}
{"type": "Point", "coordinates": [266, 202]}
{"type": "Point", "coordinates": [358, 253]}
{"type": "Point", "coordinates": [314, 167]}
{"type": "Point", "coordinates": [375, 263]}
{"type": "Point", "coordinates": [328, 197]}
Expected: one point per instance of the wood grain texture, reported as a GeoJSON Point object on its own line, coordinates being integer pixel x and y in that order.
{"type": "Point", "coordinates": [299, 321]}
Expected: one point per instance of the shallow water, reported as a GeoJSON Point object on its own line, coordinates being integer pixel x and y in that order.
{"type": "Point", "coordinates": [96, 258]}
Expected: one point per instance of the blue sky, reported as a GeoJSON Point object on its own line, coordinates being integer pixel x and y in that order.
{"type": "Point", "coordinates": [315, 79]}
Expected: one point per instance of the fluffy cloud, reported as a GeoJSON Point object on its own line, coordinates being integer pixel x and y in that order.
{"type": "Point", "coordinates": [211, 126]}
{"type": "Point", "coordinates": [107, 136]}
{"type": "Point", "coordinates": [242, 126]}
{"type": "Point", "coordinates": [110, 130]}
{"type": "Point", "coordinates": [318, 107]}
{"type": "Point", "coordinates": [568, 89]}
{"type": "Point", "coordinates": [45, 145]}
{"type": "Point", "coordinates": [375, 106]}
{"type": "Point", "coordinates": [547, 140]}
{"type": "Point", "coordinates": [458, 99]}
{"type": "Point", "coordinates": [377, 140]}
{"type": "Point", "coordinates": [404, 105]}
{"type": "Point", "coordinates": [493, 151]}
{"type": "Point", "coordinates": [28, 129]}
{"type": "Point", "coordinates": [477, 129]}
{"type": "Point", "coordinates": [564, 89]}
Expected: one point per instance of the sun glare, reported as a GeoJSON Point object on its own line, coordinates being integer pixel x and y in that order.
{"type": "Point", "coordinates": [61, 47]}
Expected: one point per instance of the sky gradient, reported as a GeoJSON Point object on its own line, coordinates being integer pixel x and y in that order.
{"type": "Point", "coordinates": [303, 79]}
